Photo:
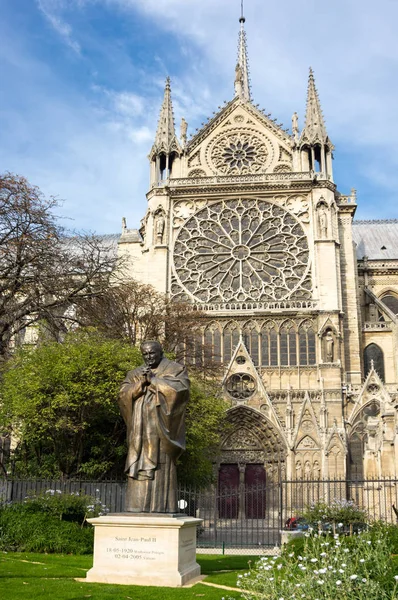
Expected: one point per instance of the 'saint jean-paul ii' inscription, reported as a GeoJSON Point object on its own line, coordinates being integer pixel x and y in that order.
{"type": "Point", "coordinates": [122, 550]}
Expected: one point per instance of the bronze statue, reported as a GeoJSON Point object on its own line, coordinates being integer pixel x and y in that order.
{"type": "Point", "coordinates": [152, 401]}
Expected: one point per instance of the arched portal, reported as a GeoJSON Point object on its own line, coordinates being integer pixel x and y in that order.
{"type": "Point", "coordinates": [253, 456]}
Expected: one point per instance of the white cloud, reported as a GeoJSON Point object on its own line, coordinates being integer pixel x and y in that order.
{"type": "Point", "coordinates": [94, 152]}
{"type": "Point", "coordinates": [63, 29]}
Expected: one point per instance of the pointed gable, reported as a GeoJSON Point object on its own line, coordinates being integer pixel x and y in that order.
{"type": "Point", "coordinates": [240, 140]}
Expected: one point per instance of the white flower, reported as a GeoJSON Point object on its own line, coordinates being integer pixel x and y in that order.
{"type": "Point", "coordinates": [364, 580]}
{"type": "Point", "coordinates": [323, 571]}
{"type": "Point", "coordinates": [314, 560]}
{"type": "Point", "coordinates": [300, 557]}
{"type": "Point", "coordinates": [323, 553]}
{"type": "Point", "coordinates": [341, 571]}
{"type": "Point", "coordinates": [338, 582]}
{"type": "Point", "coordinates": [340, 525]}
{"type": "Point", "coordinates": [346, 550]}
{"type": "Point", "coordinates": [353, 577]}
{"type": "Point", "coordinates": [271, 579]}
{"type": "Point", "coordinates": [396, 577]}
{"type": "Point", "coordinates": [343, 564]}
{"type": "Point", "coordinates": [369, 542]}
{"type": "Point", "coordinates": [279, 566]}
{"type": "Point", "coordinates": [291, 554]}
{"type": "Point", "coordinates": [361, 560]}
{"type": "Point", "coordinates": [320, 581]}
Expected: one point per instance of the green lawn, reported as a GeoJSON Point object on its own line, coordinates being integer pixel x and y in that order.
{"type": "Point", "coordinates": [52, 576]}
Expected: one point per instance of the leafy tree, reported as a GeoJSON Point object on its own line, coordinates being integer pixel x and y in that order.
{"type": "Point", "coordinates": [61, 402]}
{"type": "Point", "coordinates": [60, 399]}
{"type": "Point", "coordinates": [43, 269]}
{"type": "Point", "coordinates": [205, 422]}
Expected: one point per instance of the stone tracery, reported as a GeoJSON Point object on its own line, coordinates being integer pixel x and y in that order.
{"type": "Point", "coordinates": [244, 250]}
{"type": "Point", "coordinates": [238, 153]}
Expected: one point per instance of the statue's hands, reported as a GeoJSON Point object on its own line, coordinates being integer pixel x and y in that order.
{"type": "Point", "coordinates": [149, 376]}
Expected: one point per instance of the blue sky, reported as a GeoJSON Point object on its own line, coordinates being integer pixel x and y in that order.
{"type": "Point", "coordinates": [82, 83]}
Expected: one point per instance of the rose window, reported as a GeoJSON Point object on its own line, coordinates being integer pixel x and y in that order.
{"type": "Point", "coordinates": [242, 250]}
{"type": "Point", "coordinates": [240, 386]}
{"type": "Point", "coordinates": [239, 153]}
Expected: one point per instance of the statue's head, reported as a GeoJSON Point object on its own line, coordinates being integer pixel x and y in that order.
{"type": "Point", "coordinates": [152, 353]}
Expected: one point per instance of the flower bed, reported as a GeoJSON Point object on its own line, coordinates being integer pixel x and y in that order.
{"type": "Point", "coordinates": [359, 567]}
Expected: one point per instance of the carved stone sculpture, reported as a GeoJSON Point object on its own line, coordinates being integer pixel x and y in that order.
{"type": "Point", "coordinates": [328, 346]}
{"type": "Point", "coordinates": [152, 401]}
{"type": "Point", "coordinates": [183, 131]}
{"type": "Point", "coordinates": [159, 226]}
{"type": "Point", "coordinates": [323, 221]}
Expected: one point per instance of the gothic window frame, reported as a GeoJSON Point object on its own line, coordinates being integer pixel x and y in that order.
{"type": "Point", "coordinates": [230, 336]}
{"type": "Point", "coordinates": [394, 296]}
{"type": "Point", "coordinates": [251, 339]}
{"type": "Point", "coordinates": [379, 362]}
{"type": "Point", "coordinates": [306, 344]}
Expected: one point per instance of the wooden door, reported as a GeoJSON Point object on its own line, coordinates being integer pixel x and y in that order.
{"type": "Point", "coordinates": [228, 489]}
{"type": "Point", "coordinates": [255, 491]}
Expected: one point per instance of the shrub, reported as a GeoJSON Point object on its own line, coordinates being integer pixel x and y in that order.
{"type": "Point", "coordinates": [340, 512]}
{"type": "Point", "coordinates": [73, 507]}
{"type": "Point", "coordinates": [49, 522]}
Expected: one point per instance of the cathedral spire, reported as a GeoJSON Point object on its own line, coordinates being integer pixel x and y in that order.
{"type": "Point", "coordinates": [165, 135]}
{"type": "Point", "coordinates": [314, 129]}
{"type": "Point", "coordinates": [166, 148]}
{"type": "Point", "coordinates": [314, 145]}
{"type": "Point", "coordinates": [242, 80]}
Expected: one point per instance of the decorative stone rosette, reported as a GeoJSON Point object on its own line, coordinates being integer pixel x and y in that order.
{"type": "Point", "coordinates": [242, 250]}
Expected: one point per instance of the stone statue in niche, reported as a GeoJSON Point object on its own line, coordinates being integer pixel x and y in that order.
{"type": "Point", "coordinates": [322, 221]}
{"type": "Point", "coordinates": [328, 346]}
{"type": "Point", "coordinates": [160, 223]}
{"type": "Point", "coordinates": [152, 401]}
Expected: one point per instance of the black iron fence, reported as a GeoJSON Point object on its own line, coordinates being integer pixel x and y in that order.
{"type": "Point", "coordinates": [243, 517]}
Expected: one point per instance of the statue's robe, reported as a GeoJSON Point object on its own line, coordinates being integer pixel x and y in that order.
{"type": "Point", "coordinates": [155, 436]}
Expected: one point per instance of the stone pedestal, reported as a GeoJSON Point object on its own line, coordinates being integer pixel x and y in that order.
{"type": "Point", "coordinates": [158, 550]}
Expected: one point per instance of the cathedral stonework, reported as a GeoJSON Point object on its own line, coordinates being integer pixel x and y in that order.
{"type": "Point", "coordinates": [296, 301]}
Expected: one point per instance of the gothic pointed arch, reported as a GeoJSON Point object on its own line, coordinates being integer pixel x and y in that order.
{"type": "Point", "coordinates": [307, 423]}
{"type": "Point", "coordinates": [212, 342]}
{"type": "Point", "coordinates": [373, 391]}
{"type": "Point", "coordinates": [251, 339]}
{"type": "Point", "coordinates": [254, 438]}
{"type": "Point", "coordinates": [374, 358]}
{"type": "Point", "coordinates": [231, 336]}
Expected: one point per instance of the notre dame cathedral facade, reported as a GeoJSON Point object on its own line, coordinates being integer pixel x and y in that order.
{"type": "Point", "coordinates": [295, 299]}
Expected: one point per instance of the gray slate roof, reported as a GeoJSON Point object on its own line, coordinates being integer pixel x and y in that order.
{"type": "Point", "coordinates": [369, 236]}
{"type": "Point", "coordinates": [377, 240]}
